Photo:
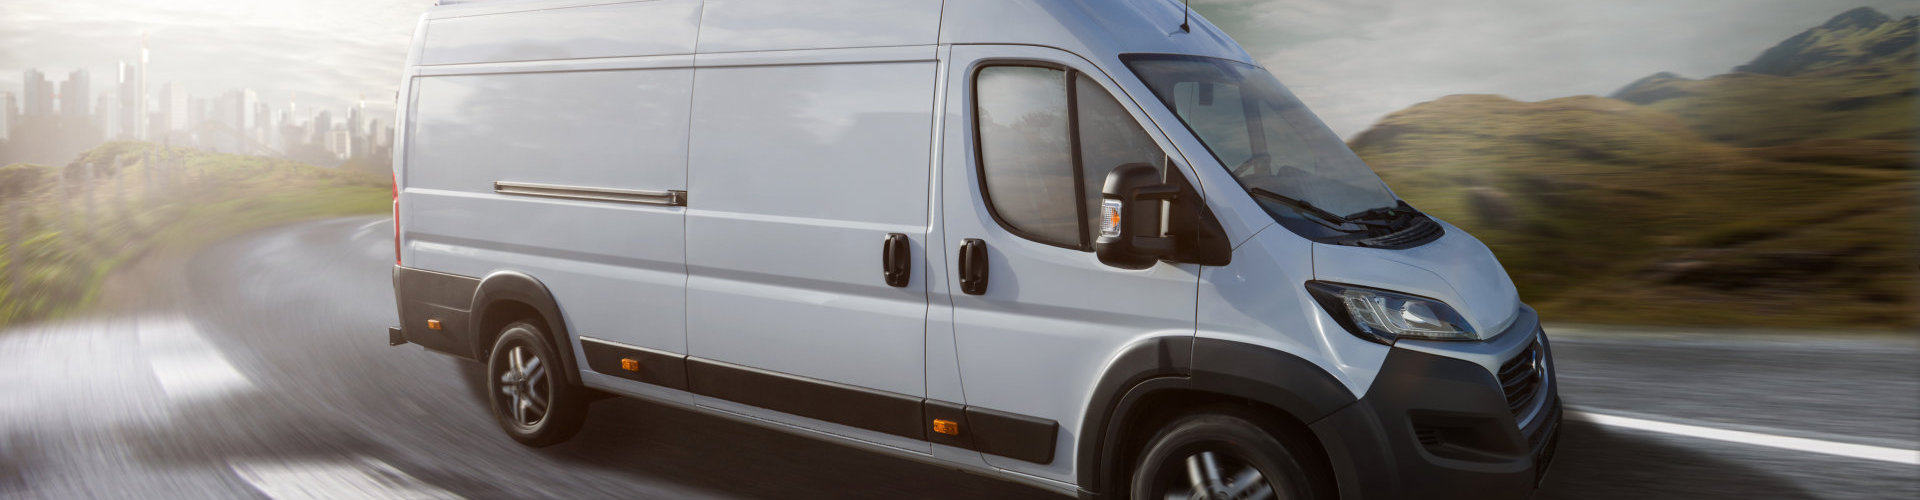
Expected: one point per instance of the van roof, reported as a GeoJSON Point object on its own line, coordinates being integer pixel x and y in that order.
{"type": "Point", "coordinates": [475, 31]}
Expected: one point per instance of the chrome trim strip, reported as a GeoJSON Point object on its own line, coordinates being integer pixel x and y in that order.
{"type": "Point", "coordinates": [631, 347]}
{"type": "Point", "coordinates": [673, 198]}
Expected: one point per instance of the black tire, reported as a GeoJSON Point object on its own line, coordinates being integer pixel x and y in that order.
{"type": "Point", "coordinates": [1235, 445]}
{"type": "Point", "coordinates": [515, 391]}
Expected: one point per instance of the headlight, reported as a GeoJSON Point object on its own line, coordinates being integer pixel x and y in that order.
{"type": "Point", "coordinates": [1383, 316]}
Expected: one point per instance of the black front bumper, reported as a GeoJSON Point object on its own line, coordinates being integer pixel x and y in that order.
{"type": "Point", "coordinates": [1438, 427]}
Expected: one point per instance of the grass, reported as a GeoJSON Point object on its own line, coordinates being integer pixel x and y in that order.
{"type": "Point", "coordinates": [1607, 212]}
{"type": "Point", "coordinates": [1782, 200]}
{"type": "Point", "coordinates": [59, 256]}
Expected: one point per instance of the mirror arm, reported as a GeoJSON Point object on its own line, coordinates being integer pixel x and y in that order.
{"type": "Point", "coordinates": [1159, 246]}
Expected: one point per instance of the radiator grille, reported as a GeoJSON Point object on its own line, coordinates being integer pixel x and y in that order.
{"type": "Point", "coordinates": [1521, 379]}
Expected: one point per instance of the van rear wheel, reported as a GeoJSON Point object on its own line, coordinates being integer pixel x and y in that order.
{"type": "Point", "coordinates": [1217, 456]}
{"type": "Point", "coordinates": [531, 399]}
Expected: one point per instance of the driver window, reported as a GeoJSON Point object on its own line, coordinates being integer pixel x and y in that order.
{"type": "Point", "coordinates": [1109, 138]}
{"type": "Point", "coordinates": [1048, 138]}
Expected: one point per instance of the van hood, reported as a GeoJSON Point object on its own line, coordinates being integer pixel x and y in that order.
{"type": "Point", "coordinates": [1456, 269]}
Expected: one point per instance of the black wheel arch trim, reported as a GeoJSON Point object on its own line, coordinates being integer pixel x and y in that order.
{"type": "Point", "coordinates": [511, 286]}
{"type": "Point", "coordinates": [1183, 363]}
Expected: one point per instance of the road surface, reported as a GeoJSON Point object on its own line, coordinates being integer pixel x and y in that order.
{"type": "Point", "coordinates": [261, 371]}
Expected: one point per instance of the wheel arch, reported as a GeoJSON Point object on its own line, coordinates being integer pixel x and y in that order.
{"type": "Point", "coordinates": [507, 296]}
{"type": "Point", "coordinates": [1135, 396]}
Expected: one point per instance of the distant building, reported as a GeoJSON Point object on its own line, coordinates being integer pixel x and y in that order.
{"type": "Point", "coordinates": [196, 115]}
{"type": "Point", "coordinates": [107, 112]}
{"type": "Point", "coordinates": [340, 143]}
{"type": "Point", "coordinates": [165, 114]}
{"type": "Point", "coordinates": [38, 95]}
{"type": "Point", "coordinates": [76, 97]}
{"type": "Point", "coordinates": [133, 102]}
{"type": "Point", "coordinates": [9, 114]}
{"type": "Point", "coordinates": [322, 125]}
{"type": "Point", "coordinates": [357, 128]}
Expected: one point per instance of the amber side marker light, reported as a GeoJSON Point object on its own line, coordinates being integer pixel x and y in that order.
{"type": "Point", "coordinates": [433, 324]}
{"type": "Point", "coordinates": [630, 364]}
{"type": "Point", "coordinates": [948, 427]}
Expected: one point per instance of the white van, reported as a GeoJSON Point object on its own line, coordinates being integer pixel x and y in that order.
{"type": "Point", "coordinates": [1089, 246]}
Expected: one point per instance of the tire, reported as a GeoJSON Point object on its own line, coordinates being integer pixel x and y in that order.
{"type": "Point", "coordinates": [1246, 462]}
{"type": "Point", "coordinates": [522, 373]}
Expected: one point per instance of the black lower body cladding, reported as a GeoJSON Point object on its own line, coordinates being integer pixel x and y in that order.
{"type": "Point", "coordinates": [426, 295]}
{"type": "Point", "coordinates": [1433, 427]}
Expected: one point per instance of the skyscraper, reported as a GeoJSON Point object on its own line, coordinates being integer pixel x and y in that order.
{"type": "Point", "coordinates": [322, 125]}
{"type": "Point", "coordinates": [76, 97]}
{"type": "Point", "coordinates": [356, 126]}
{"type": "Point", "coordinates": [39, 94]}
{"type": "Point", "coordinates": [164, 113]}
{"type": "Point", "coordinates": [262, 130]}
{"type": "Point", "coordinates": [141, 88]}
{"type": "Point", "coordinates": [9, 114]}
{"type": "Point", "coordinates": [133, 110]}
{"type": "Point", "coordinates": [247, 101]}
{"type": "Point", "coordinates": [107, 112]}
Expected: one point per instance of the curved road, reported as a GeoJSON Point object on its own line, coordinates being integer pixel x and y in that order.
{"type": "Point", "coordinates": [261, 371]}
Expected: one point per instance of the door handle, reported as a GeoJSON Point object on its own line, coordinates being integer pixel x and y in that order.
{"type": "Point", "coordinates": [896, 260]}
{"type": "Point", "coordinates": [973, 266]}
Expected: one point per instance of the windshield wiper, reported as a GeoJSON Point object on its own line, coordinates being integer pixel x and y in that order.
{"type": "Point", "coordinates": [1300, 205]}
{"type": "Point", "coordinates": [1392, 213]}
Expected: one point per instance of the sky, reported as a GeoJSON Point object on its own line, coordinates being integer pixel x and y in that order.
{"type": "Point", "coordinates": [321, 53]}
{"type": "Point", "coordinates": [1352, 61]}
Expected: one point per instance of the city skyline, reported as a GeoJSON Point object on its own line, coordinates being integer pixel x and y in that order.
{"type": "Point", "coordinates": [56, 117]}
{"type": "Point", "coordinates": [323, 53]}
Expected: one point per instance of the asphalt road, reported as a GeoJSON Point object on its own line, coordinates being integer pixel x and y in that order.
{"type": "Point", "coordinates": [261, 371]}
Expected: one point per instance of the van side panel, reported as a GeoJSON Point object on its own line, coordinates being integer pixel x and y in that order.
{"type": "Point", "coordinates": [617, 268]}
{"type": "Point", "coordinates": [798, 174]}
{"type": "Point", "coordinates": [758, 25]}
{"type": "Point", "coordinates": [630, 29]}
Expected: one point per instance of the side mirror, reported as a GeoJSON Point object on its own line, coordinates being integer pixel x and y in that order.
{"type": "Point", "coordinates": [1133, 218]}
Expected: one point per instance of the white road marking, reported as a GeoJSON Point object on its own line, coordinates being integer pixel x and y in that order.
{"type": "Point", "coordinates": [1879, 453]}
{"type": "Point", "coordinates": [187, 366]}
{"type": "Point", "coordinates": [364, 478]}
{"type": "Point", "coordinates": [368, 227]}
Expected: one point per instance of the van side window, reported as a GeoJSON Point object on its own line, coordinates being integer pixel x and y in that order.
{"type": "Point", "coordinates": [1030, 120]}
{"type": "Point", "coordinates": [1025, 155]}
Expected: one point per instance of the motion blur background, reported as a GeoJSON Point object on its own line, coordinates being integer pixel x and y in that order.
{"type": "Point", "coordinates": [1712, 202]}
{"type": "Point", "coordinates": [1716, 162]}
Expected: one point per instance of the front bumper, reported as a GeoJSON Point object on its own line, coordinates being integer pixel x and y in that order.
{"type": "Point", "coordinates": [1435, 427]}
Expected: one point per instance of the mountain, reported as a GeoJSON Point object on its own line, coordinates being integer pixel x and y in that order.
{"type": "Point", "coordinates": [1851, 78]}
{"type": "Point", "coordinates": [1783, 200]}
{"type": "Point", "coordinates": [1859, 36]}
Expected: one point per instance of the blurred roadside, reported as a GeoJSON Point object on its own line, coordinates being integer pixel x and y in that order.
{"type": "Point", "coordinates": [66, 230]}
{"type": "Point", "coordinates": [1781, 195]}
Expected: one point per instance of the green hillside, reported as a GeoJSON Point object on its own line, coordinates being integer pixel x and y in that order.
{"type": "Point", "coordinates": [1743, 199]}
{"type": "Point", "coordinates": [65, 229]}
{"type": "Point", "coordinates": [1851, 78]}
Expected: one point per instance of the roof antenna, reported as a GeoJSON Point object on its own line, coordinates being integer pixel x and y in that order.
{"type": "Point", "coordinates": [1185, 15]}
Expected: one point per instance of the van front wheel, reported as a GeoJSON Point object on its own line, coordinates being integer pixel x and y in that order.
{"type": "Point", "coordinates": [530, 397]}
{"type": "Point", "coordinates": [1216, 456]}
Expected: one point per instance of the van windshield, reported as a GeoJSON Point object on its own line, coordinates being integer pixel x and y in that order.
{"type": "Point", "coordinates": [1276, 148]}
